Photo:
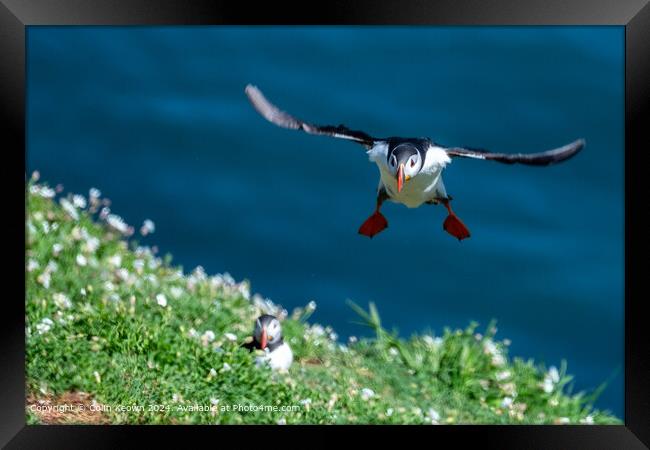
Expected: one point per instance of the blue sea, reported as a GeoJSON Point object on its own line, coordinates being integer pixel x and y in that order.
{"type": "Point", "coordinates": [157, 119]}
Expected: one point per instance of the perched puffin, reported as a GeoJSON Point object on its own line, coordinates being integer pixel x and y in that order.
{"type": "Point", "coordinates": [267, 336]}
{"type": "Point", "coordinates": [410, 169]}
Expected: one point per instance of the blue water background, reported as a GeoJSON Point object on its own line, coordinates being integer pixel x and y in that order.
{"type": "Point", "coordinates": [157, 119]}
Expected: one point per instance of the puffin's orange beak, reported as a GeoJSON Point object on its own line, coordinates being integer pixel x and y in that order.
{"type": "Point", "coordinates": [400, 178]}
{"type": "Point", "coordinates": [263, 339]}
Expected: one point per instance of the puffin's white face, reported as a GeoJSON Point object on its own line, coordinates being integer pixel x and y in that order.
{"type": "Point", "coordinates": [267, 331]}
{"type": "Point", "coordinates": [404, 163]}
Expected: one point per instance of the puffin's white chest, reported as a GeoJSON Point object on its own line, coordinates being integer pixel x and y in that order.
{"type": "Point", "coordinates": [426, 185]}
{"type": "Point", "coordinates": [279, 359]}
{"type": "Point", "coordinates": [417, 190]}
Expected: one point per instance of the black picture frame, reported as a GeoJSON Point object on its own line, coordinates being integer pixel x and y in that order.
{"type": "Point", "coordinates": [634, 15]}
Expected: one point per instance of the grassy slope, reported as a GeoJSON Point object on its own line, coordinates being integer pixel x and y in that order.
{"type": "Point", "coordinates": [111, 338]}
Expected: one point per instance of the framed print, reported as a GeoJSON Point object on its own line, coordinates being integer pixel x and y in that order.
{"type": "Point", "coordinates": [379, 214]}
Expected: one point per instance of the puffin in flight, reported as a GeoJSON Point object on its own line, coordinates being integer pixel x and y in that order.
{"type": "Point", "coordinates": [267, 336]}
{"type": "Point", "coordinates": [410, 169]}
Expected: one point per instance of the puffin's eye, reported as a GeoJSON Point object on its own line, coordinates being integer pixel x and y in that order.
{"type": "Point", "coordinates": [412, 162]}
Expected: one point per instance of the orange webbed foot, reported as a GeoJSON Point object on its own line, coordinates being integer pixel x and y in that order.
{"type": "Point", "coordinates": [454, 226]}
{"type": "Point", "coordinates": [373, 225]}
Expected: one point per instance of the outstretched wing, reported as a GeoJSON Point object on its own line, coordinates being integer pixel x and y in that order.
{"type": "Point", "coordinates": [533, 159]}
{"type": "Point", "coordinates": [285, 120]}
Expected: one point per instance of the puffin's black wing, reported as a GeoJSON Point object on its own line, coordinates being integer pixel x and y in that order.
{"type": "Point", "coordinates": [533, 159]}
{"type": "Point", "coordinates": [282, 119]}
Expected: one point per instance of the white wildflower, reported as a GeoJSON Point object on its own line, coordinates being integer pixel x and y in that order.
{"type": "Point", "coordinates": [589, 420]}
{"type": "Point", "coordinates": [192, 333]}
{"type": "Point", "coordinates": [45, 278]}
{"type": "Point", "coordinates": [551, 378]}
{"type": "Point", "coordinates": [506, 402]}
{"type": "Point", "coordinates": [108, 286]}
{"type": "Point", "coordinates": [98, 377]}
{"type": "Point", "coordinates": [504, 375]}
{"type": "Point", "coordinates": [77, 234]}
{"type": "Point", "coordinates": [46, 192]}
{"type": "Point", "coordinates": [389, 412]}
{"type": "Point", "coordinates": [56, 249]}
{"type": "Point", "coordinates": [282, 421]}
{"type": "Point", "coordinates": [214, 401]}
{"type": "Point", "coordinates": [199, 273]}
{"type": "Point", "coordinates": [94, 193]}
{"type": "Point", "coordinates": [433, 416]}
{"type": "Point", "coordinates": [31, 228]}
{"type": "Point", "coordinates": [104, 213]}
{"type": "Point", "coordinates": [116, 222]}
{"type": "Point", "coordinates": [161, 300]}
{"type": "Point", "coordinates": [352, 339]}
{"type": "Point", "coordinates": [61, 300]}
{"type": "Point", "coordinates": [213, 373]}
{"type": "Point", "coordinates": [147, 227]}
{"type": "Point", "coordinates": [208, 336]}
{"type": "Point", "coordinates": [151, 278]}
{"type": "Point", "coordinates": [115, 260]}
{"type": "Point", "coordinates": [510, 389]}
{"type": "Point", "coordinates": [138, 265]}
{"type": "Point", "coordinates": [311, 306]}
{"type": "Point", "coordinates": [226, 367]}
{"type": "Point", "coordinates": [69, 208]}
{"type": "Point", "coordinates": [563, 420]}
{"type": "Point", "coordinates": [317, 330]}
{"type": "Point", "coordinates": [367, 393]}
{"type": "Point", "coordinates": [81, 260]}
{"type": "Point", "coordinates": [547, 385]}
{"type": "Point", "coordinates": [231, 337]}
{"type": "Point", "coordinates": [122, 274]}
{"type": "Point", "coordinates": [432, 342]}
{"type": "Point", "coordinates": [79, 201]}
{"type": "Point", "coordinates": [176, 292]}
{"type": "Point", "coordinates": [489, 347]}
{"type": "Point", "coordinates": [305, 401]}
{"type": "Point", "coordinates": [176, 398]}
{"type": "Point", "coordinates": [32, 265]}
{"type": "Point", "coordinates": [393, 351]}
{"type": "Point", "coordinates": [245, 290]}
{"type": "Point", "coordinates": [227, 278]}
{"type": "Point", "coordinates": [44, 325]}
{"type": "Point", "coordinates": [91, 244]}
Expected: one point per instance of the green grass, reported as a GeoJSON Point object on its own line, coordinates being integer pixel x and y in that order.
{"type": "Point", "coordinates": [110, 337]}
